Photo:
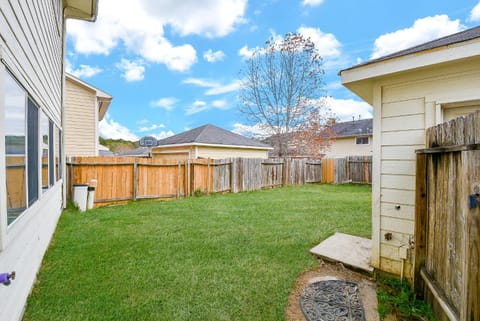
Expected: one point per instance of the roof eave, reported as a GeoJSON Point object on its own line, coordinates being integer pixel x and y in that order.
{"type": "Point", "coordinates": [360, 79]}
{"type": "Point", "coordinates": [214, 145]}
{"type": "Point", "coordinates": [81, 9]}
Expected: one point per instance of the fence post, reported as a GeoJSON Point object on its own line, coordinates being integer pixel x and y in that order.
{"type": "Point", "coordinates": [178, 179]}
{"type": "Point", "coordinates": [420, 221]}
{"type": "Point", "coordinates": [135, 178]}
{"type": "Point", "coordinates": [208, 176]}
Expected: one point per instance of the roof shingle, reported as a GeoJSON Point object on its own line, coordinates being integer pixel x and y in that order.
{"type": "Point", "coordinates": [211, 135]}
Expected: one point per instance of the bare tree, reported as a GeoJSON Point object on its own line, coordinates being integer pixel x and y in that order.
{"type": "Point", "coordinates": [282, 90]}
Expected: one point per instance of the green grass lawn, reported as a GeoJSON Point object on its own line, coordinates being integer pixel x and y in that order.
{"type": "Point", "coordinates": [218, 257]}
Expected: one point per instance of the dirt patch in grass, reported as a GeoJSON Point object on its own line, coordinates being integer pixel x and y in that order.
{"type": "Point", "coordinates": [332, 271]}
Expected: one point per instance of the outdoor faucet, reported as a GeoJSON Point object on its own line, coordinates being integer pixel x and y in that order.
{"type": "Point", "coordinates": [6, 278]}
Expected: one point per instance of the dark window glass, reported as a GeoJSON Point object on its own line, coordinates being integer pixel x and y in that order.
{"type": "Point", "coordinates": [32, 152]}
{"type": "Point", "coordinates": [44, 131]}
{"type": "Point", "coordinates": [362, 140]}
{"type": "Point", "coordinates": [51, 155]}
{"type": "Point", "coordinates": [57, 153]}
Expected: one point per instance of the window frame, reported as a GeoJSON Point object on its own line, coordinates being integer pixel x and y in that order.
{"type": "Point", "coordinates": [361, 138]}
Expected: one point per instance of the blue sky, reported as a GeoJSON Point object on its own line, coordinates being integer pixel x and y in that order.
{"type": "Point", "coordinates": [174, 65]}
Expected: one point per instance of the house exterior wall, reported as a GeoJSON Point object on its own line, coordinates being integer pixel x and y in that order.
{"type": "Point", "coordinates": [229, 152]}
{"type": "Point", "coordinates": [80, 128]}
{"type": "Point", "coordinates": [345, 146]}
{"type": "Point", "coordinates": [192, 151]}
{"type": "Point", "coordinates": [31, 52]}
{"type": "Point", "coordinates": [404, 106]}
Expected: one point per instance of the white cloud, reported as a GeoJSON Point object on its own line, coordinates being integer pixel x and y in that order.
{"type": "Point", "coordinates": [220, 104]}
{"type": "Point", "coordinates": [151, 127]}
{"type": "Point", "coordinates": [163, 134]}
{"type": "Point", "coordinates": [197, 107]}
{"type": "Point", "coordinates": [247, 52]}
{"type": "Point", "coordinates": [200, 105]}
{"type": "Point", "coordinates": [167, 103]}
{"type": "Point", "coordinates": [475, 13]}
{"type": "Point", "coordinates": [132, 70]}
{"type": "Point", "coordinates": [109, 128]}
{"type": "Point", "coordinates": [346, 109]}
{"type": "Point", "coordinates": [214, 88]}
{"type": "Point", "coordinates": [213, 56]}
{"type": "Point", "coordinates": [213, 18]}
{"type": "Point", "coordinates": [257, 130]}
{"type": "Point", "coordinates": [312, 2]}
{"type": "Point", "coordinates": [327, 45]}
{"type": "Point", "coordinates": [139, 26]}
{"type": "Point", "coordinates": [84, 71]}
{"type": "Point", "coordinates": [423, 30]}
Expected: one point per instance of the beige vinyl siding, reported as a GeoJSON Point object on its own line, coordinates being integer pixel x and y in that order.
{"type": "Point", "coordinates": [32, 50]}
{"type": "Point", "coordinates": [80, 121]}
{"type": "Point", "coordinates": [404, 106]}
{"type": "Point", "coordinates": [346, 146]}
{"type": "Point", "coordinates": [193, 151]}
{"type": "Point", "coordinates": [230, 152]}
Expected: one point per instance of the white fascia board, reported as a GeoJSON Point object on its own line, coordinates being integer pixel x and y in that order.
{"type": "Point", "coordinates": [215, 145]}
{"type": "Point", "coordinates": [413, 61]}
{"type": "Point", "coordinates": [360, 79]}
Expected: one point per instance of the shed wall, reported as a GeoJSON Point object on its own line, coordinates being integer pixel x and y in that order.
{"type": "Point", "coordinates": [404, 106]}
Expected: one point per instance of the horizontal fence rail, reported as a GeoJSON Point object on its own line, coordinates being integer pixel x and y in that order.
{"type": "Point", "coordinates": [120, 179]}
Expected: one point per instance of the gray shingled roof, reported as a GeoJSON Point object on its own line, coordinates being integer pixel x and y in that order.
{"type": "Point", "coordinates": [462, 36]}
{"type": "Point", "coordinates": [353, 128]}
{"type": "Point", "coordinates": [211, 135]}
{"type": "Point", "coordinates": [140, 151]}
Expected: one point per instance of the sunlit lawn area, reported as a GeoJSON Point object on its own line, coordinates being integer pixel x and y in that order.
{"type": "Point", "coordinates": [218, 257]}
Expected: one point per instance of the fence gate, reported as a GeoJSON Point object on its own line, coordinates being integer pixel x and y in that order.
{"type": "Point", "coordinates": [447, 235]}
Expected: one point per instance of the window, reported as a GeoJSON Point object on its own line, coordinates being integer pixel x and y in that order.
{"type": "Point", "coordinates": [51, 156]}
{"type": "Point", "coordinates": [15, 162]}
{"type": "Point", "coordinates": [32, 152]}
{"type": "Point", "coordinates": [361, 140]}
{"type": "Point", "coordinates": [148, 142]}
{"type": "Point", "coordinates": [58, 153]}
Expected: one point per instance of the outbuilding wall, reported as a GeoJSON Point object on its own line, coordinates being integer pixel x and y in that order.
{"type": "Point", "coordinates": [405, 105]}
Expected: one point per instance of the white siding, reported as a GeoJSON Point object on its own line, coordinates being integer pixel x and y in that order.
{"type": "Point", "coordinates": [224, 152]}
{"type": "Point", "coordinates": [80, 120]}
{"type": "Point", "coordinates": [31, 48]}
{"type": "Point", "coordinates": [404, 107]}
{"type": "Point", "coordinates": [346, 146]}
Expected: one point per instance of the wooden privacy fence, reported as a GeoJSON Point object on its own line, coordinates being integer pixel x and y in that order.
{"type": "Point", "coordinates": [352, 169]}
{"type": "Point", "coordinates": [447, 235]}
{"type": "Point", "coordinates": [130, 178]}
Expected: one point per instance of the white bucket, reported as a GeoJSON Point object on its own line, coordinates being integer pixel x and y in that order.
{"type": "Point", "coordinates": [80, 193]}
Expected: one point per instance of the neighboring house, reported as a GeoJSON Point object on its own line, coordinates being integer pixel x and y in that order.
{"type": "Point", "coordinates": [351, 138]}
{"type": "Point", "coordinates": [146, 143]}
{"type": "Point", "coordinates": [85, 107]}
{"type": "Point", "coordinates": [209, 141]}
{"type": "Point", "coordinates": [410, 91]}
{"type": "Point", "coordinates": [104, 151]}
{"type": "Point", "coordinates": [32, 62]}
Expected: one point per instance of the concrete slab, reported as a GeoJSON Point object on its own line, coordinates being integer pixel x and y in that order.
{"type": "Point", "coordinates": [350, 250]}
